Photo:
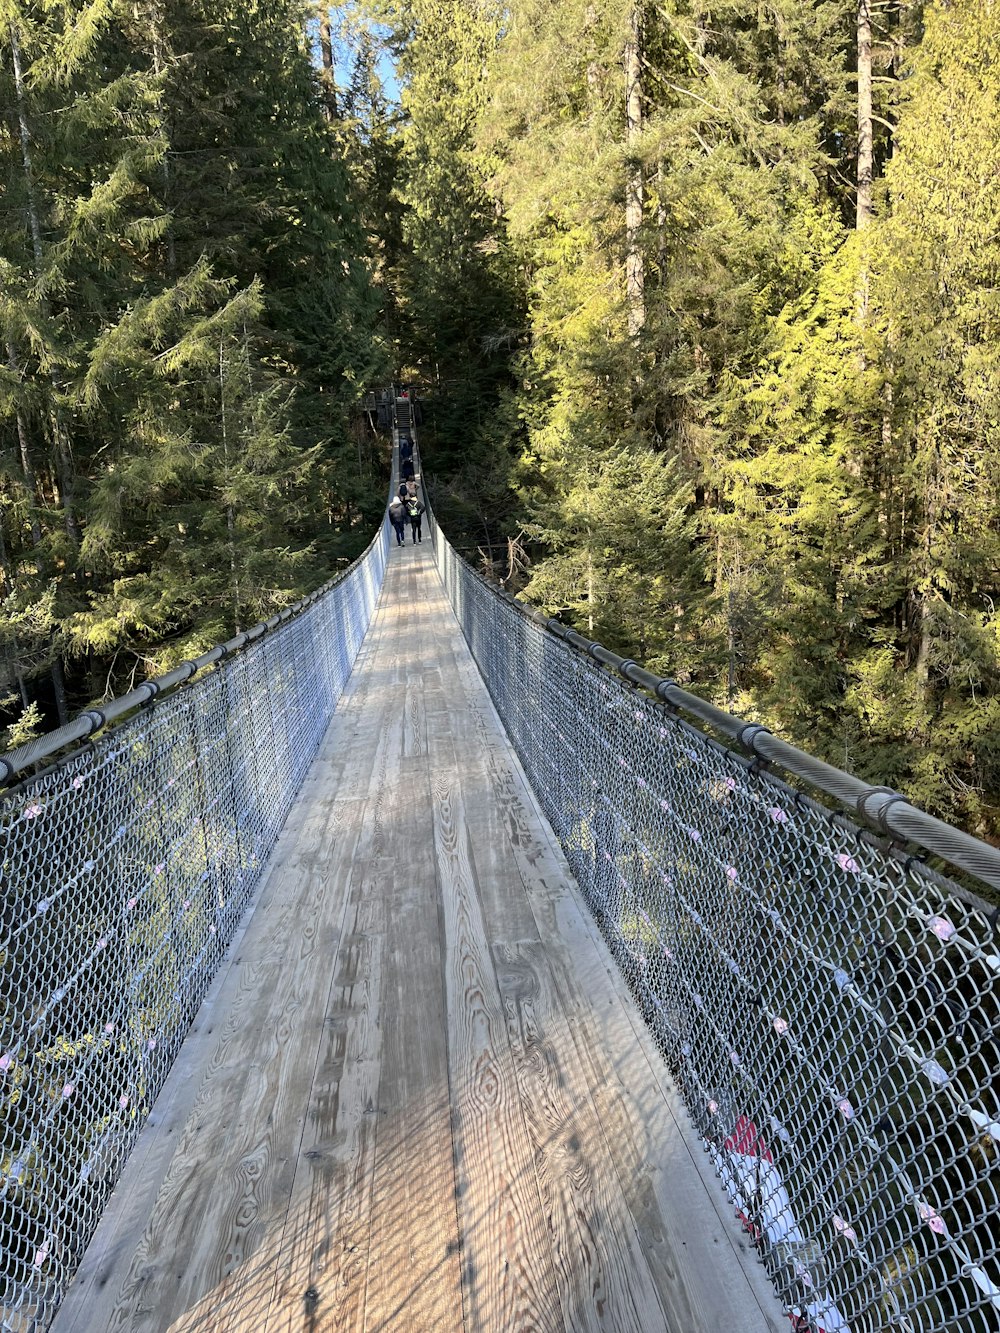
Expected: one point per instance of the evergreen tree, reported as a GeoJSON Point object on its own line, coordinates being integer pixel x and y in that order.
{"type": "Point", "coordinates": [934, 291]}
{"type": "Point", "coordinates": [678, 191]}
{"type": "Point", "coordinates": [458, 291]}
{"type": "Point", "coordinates": [188, 316]}
{"type": "Point", "coordinates": [373, 145]}
{"type": "Point", "coordinates": [82, 142]}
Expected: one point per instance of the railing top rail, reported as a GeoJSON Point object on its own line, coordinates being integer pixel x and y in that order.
{"type": "Point", "coordinates": [13, 763]}
{"type": "Point", "coordinates": [883, 808]}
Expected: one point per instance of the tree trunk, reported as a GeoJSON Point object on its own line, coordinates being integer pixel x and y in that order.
{"type": "Point", "coordinates": [11, 654]}
{"type": "Point", "coordinates": [27, 471]}
{"type": "Point", "coordinates": [234, 573]}
{"type": "Point", "coordinates": [159, 64]}
{"type": "Point", "coordinates": [327, 76]}
{"type": "Point", "coordinates": [29, 175]}
{"type": "Point", "coordinates": [865, 211]}
{"type": "Point", "coordinates": [62, 453]}
{"type": "Point", "coordinates": [59, 690]}
{"type": "Point", "coordinates": [926, 593]}
{"type": "Point", "coordinates": [779, 110]}
{"type": "Point", "coordinates": [634, 267]}
{"type": "Point", "coordinates": [590, 592]}
{"type": "Point", "coordinates": [35, 528]}
{"type": "Point", "coordinates": [661, 227]}
{"type": "Point", "coordinates": [590, 580]}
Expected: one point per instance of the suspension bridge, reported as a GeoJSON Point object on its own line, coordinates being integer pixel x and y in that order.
{"type": "Point", "coordinates": [411, 963]}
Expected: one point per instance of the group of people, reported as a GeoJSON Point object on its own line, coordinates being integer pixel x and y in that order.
{"type": "Point", "coordinates": [406, 506]}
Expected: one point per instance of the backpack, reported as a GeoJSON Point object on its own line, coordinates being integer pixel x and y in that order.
{"type": "Point", "coordinates": [413, 507]}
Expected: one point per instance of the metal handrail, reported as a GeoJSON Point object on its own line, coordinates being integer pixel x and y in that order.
{"type": "Point", "coordinates": [881, 807]}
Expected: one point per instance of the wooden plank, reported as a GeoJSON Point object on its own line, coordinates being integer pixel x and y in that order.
{"type": "Point", "coordinates": [322, 1271]}
{"type": "Point", "coordinates": [209, 1244]}
{"type": "Point", "coordinates": [127, 1211]}
{"type": "Point", "coordinates": [603, 1279]}
{"type": "Point", "coordinates": [376, 1239]}
{"type": "Point", "coordinates": [321, 1256]}
{"type": "Point", "coordinates": [118, 1284]}
{"type": "Point", "coordinates": [211, 1053]}
{"type": "Point", "coordinates": [414, 1272]}
{"type": "Point", "coordinates": [508, 1277]}
{"type": "Point", "coordinates": [696, 1253]}
{"type": "Point", "coordinates": [507, 913]}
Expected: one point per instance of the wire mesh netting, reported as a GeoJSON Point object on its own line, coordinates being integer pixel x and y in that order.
{"type": "Point", "coordinates": [126, 870]}
{"type": "Point", "coordinates": [829, 1006]}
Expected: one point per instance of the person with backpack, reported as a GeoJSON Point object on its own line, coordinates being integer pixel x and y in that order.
{"type": "Point", "coordinates": [397, 517]}
{"type": "Point", "coordinates": [413, 511]}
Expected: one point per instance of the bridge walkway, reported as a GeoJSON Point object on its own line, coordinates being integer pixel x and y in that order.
{"type": "Point", "coordinates": [418, 1096]}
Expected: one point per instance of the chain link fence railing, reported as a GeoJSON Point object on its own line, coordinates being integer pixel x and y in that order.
{"type": "Point", "coordinates": [828, 1003]}
{"type": "Point", "coordinates": [126, 868]}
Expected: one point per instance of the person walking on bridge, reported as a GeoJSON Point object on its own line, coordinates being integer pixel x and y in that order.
{"type": "Point", "coordinates": [397, 517]}
{"type": "Point", "coordinates": [414, 509]}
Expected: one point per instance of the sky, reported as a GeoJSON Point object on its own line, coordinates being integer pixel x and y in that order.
{"type": "Point", "coordinates": [346, 22]}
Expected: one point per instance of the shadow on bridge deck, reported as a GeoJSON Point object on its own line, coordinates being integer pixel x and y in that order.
{"type": "Point", "coordinates": [417, 1096]}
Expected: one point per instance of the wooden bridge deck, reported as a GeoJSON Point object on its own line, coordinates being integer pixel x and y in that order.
{"type": "Point", "coordinates": [418, 1096]}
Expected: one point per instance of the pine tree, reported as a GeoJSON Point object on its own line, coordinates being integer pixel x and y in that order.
{"type": "Point", "coordinates": [80, 146]}
{"type": "Point", "coordinates": [934, 285]}
{"type": "Point", "coordinates": [374, 148]}
{"type": "Point", "coordinates": [181, 268]}
{"type": "Point", "coordinates": [455, 293]}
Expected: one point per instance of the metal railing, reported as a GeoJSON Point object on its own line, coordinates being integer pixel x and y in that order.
{"type": "Point", "coordinates": [127, 866]}
{"type": "Point", "coordinates": [828, 1003]}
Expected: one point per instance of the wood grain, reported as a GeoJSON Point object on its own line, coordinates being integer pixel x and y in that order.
{"type": "Point", "coordinates": [507, 1263]}
{"type": "Point", "coordinates": [414, 1271]}
{"type": "Point", "coordinates": [601, 1270]}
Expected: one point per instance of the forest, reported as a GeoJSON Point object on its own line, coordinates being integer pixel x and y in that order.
{"type": "Point", "coordinates": [702, 303]}
{"type": "Point", "coordinates": [189, 319]}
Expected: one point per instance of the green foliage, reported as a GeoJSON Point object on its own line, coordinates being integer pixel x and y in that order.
{"type": "Point", "coordinates": [783, 489]}
{"type": "Point", "coordinates": [188, 309]}
{"type": "Point", "coordinates": [26, 727]}
{"type": "Point", "coordinates": [618, 527]}
{"type": "Point", "coordinates": [457, 291]}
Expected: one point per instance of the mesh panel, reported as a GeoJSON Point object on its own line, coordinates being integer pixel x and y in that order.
{"type": "Point", "coordinates": [830, 1008]}
{"type": "Point", "coordinates": [126, 871]}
